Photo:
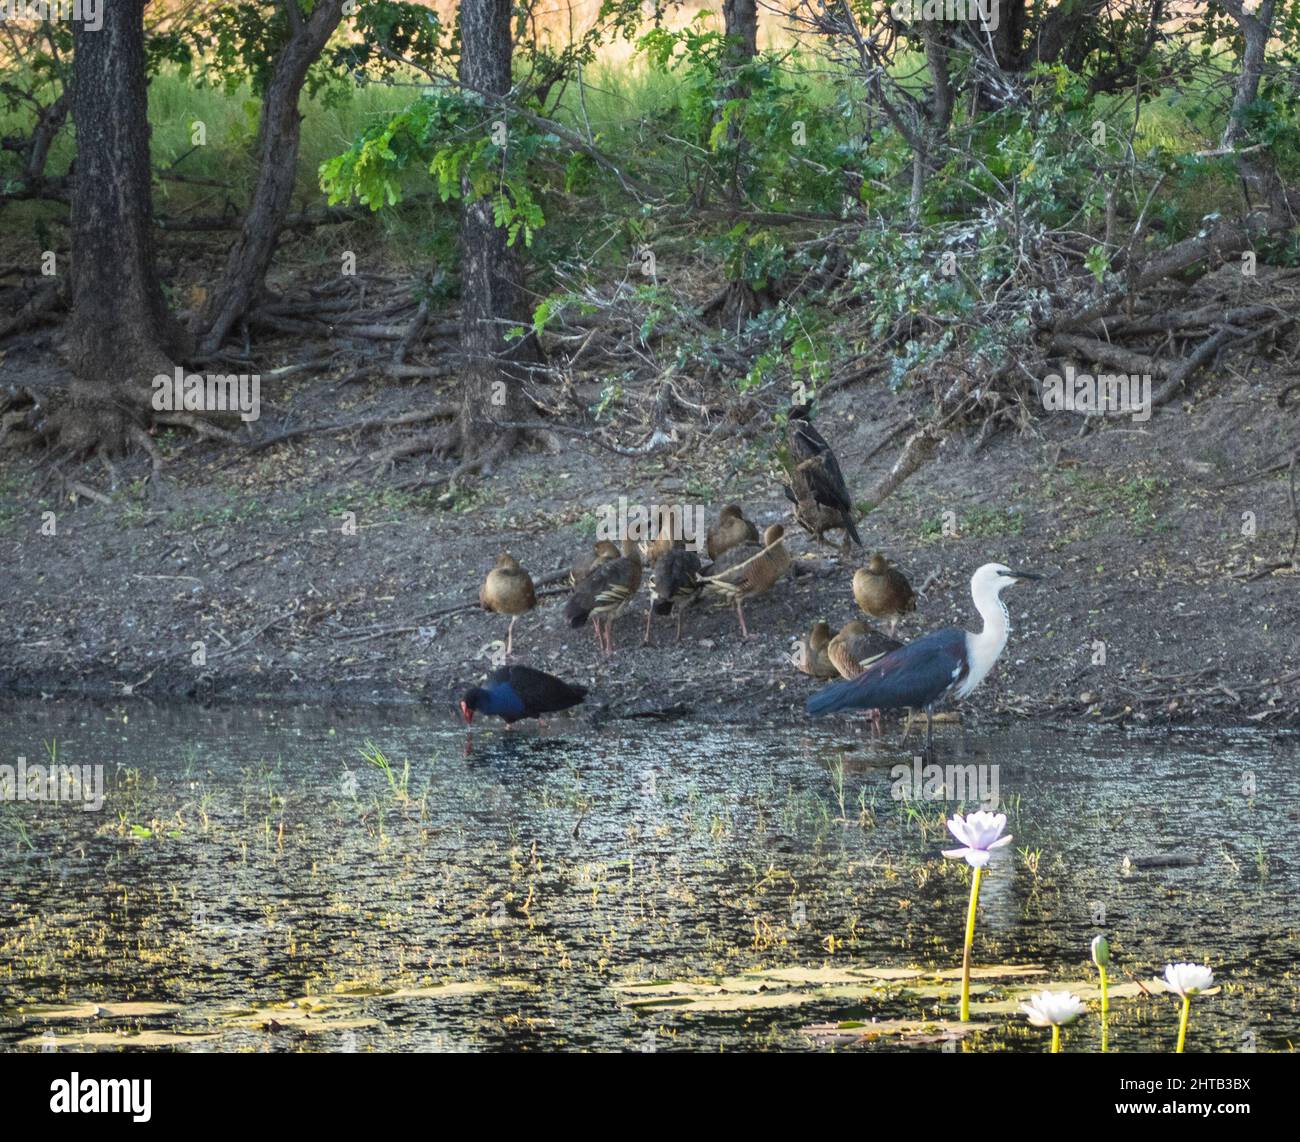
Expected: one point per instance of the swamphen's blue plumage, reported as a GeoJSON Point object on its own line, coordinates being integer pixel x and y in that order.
{"type": "Point", "coordinates": [515, 692]}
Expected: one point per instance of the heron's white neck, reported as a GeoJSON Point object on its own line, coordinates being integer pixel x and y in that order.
{"type": "Point", "coordinates": [983, 649]}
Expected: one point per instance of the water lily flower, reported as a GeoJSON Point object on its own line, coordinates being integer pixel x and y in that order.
{"type": "Point", "coordinates": [1054, 1009]}
{"type": "Point", "coordinates": [1187, 980]}
{"type": "Point", "coordinates": [980, 833]}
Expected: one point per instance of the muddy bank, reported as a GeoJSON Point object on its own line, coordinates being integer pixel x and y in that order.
{"type": "Point", "coordinates": [245, 580]}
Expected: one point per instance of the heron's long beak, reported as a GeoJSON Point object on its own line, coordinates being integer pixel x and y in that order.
{"type": "Point", "coordinates": [1024, 574]}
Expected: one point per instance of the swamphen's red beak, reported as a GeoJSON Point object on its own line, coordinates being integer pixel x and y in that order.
{"type": "Point", "coordinates": [469, 714]}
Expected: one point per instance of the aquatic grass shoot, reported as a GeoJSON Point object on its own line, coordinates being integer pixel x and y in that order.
{"type": "Point", "coordinates": [397, 785]}
{"type": "Point", "coordinates": [980, 833]}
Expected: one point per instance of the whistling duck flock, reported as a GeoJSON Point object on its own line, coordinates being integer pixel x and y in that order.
{"type": "Point", "coordinates": [869, 670]}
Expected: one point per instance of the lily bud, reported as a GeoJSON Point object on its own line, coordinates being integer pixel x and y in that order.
{"type": "Point", "coordinates": [1101, 951]}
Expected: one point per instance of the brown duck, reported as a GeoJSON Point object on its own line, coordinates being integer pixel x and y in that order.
{"type": "Point", "coordinates": [883, 591]}
{"type": "Point", "coordinates": [508, 590]}
{"type": "Point", "coordinates": [674, 583]}
{"type": "Point", "coordinates": [663, 540]}
{"type": "Point", "coordinates": [747, 571]}
{"type": "Point", "coordinates": [601, 552]}
{"type": "Point", "coordinates": [605, 591]}
{"type": "Point", "coordinates": [856, 647]}
{"type": "Point", "coordinates": [810, 654]}
{"type": "Point", "coordinates": [731, 530]}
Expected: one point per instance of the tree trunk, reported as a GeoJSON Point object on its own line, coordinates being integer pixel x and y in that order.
{"type": "Point", "coordinates": [120, 334]}
{"type": "Point", "coordinates": [1008, 37]}
{"type": "Point", "coordinates": [1062, 35]}
{"type": "Point", "coordinates": [278, 136]}
{"type": "Point", "coordinates": [942, 101]}
{"type": "Point", "coordinates": [1258, 171]}
{"type": "Point", "coordinates": [740, 25]}
{"type": "Point", "coordinates": [492, 295]}
{"type": "Point", "coordinates": [1255, 30]}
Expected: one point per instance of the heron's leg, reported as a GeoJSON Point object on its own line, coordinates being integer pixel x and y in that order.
{"type": "Point", "coordinates": [648, 616]}
{"type": "Point", "coordinates": [875, 722]}
{"type": "Point", "coordinates": [929, 728]}
{"type": "Point", "coordinates": [907, 729]}
{"type": "Point", "coordinates": [680, 608]}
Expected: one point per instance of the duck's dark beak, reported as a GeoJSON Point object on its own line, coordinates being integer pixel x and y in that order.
{"type": "Point", "coordinates": [469, 714]}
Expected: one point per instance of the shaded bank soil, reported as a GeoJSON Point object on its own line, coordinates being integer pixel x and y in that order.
{"type": "Point", "coordinates": [1167, 546]}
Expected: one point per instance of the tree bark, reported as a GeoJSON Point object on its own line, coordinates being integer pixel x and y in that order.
{"type": "Point", "coordinates": [120, 334]}
{"type": "Point", "coordinates": [492, 294]}
{"type": "Point", "coordinates": [1062, 35]}
{"type": "Point", "coordinates": [1258, 171]}
{"type": "Point", "coordinates": [933, 137]}
{"type": "Point", "coordinates": [740, 26]}
{"type": "Point", "coordinates": [279, 133]}
{"type": "Point", "coordinates": [1255, 30]}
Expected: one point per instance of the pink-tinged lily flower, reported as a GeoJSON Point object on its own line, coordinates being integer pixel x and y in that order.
{"type": "Point", "coordinates": [980, 833]}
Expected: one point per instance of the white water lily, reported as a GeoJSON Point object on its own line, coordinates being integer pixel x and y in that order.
{"type": "Point", "coordinates": [979, 833]}
{"type": "Point", "coordinates": [1053, 1008]}
{"type": "Point", "coordinates": [1188, 979]}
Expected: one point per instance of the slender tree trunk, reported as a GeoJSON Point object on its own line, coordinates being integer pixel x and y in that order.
{"type": "Point", "coordinates": [492, 295]}
{"type": "Point", "coordinates": [278, 138]}
{"type": "Point", "coordinates": [49, 122]}
{"type": "Point", "coordinates": [121, 334]}
{"type": "Point", "coordinates": [740, 25]}
{"type": "Point", "coordinates": [942, 101]}
{"type": "Point", "coordinates": [1255, 30]}
{"type": "Point", "coordinates": [1258, 171]}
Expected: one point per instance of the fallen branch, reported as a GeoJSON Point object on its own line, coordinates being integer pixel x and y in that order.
{"type": "Point", "coordinates": [419, 417]}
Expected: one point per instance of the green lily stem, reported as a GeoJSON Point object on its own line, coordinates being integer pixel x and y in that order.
{"type": "Point", "coordinates": [1105, 1009]}
{"type": "Point", "coordinates": [970, 939]}
{"type": "Point", "coordinates": [1182, 1024]}
{"type": "Point", "coordinates": [1056, 1039]}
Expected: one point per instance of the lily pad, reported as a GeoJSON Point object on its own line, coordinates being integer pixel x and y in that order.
{"type": "Point", "coordinates": [911, 1031]}
{"type": "Point", "coordinates": [125, 1010]}
{"type": "Point", "coordinates": [306, 1022]}
{"type": "Point", "coordinates": [87, 1040]}
{"type": "Point", "coordinates": [790, 986]}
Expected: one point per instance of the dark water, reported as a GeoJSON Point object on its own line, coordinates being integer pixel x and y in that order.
{"type": "Point", "coordinates": [246, 858]}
